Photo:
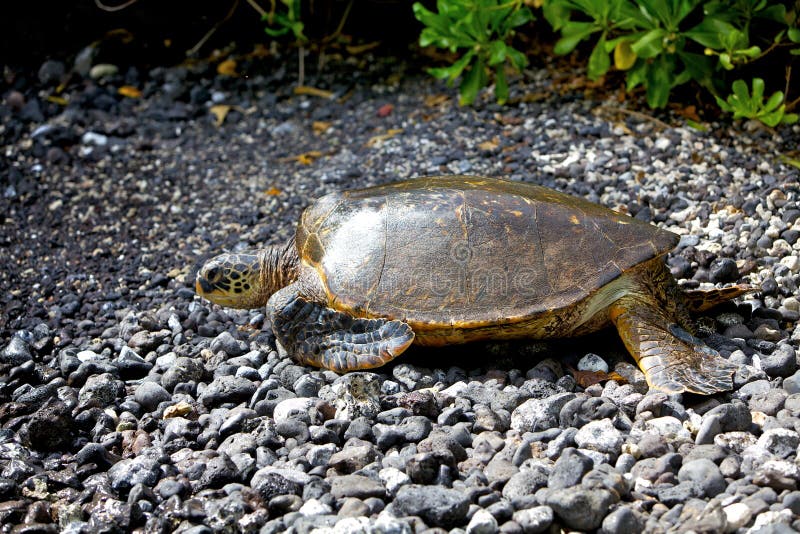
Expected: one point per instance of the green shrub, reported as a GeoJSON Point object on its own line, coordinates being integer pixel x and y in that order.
{"type": "Point", "coordinates": [662, 44]}
{"type": "Point", "coordinates": [286, 21]}
{"type": "Point", "coordinates": [483, 30]}
{"type": "Point", "coordinates": [750, 105]}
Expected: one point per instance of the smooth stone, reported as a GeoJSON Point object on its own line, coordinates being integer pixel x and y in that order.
{"type": "Point", "coordinates": [437, 506]}
{"type": "Point", "coordinates": [705, 473]}
{"type": "Point", "coordinates": [534, 520]}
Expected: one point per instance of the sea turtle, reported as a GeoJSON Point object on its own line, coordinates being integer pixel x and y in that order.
{"type": "Point", "coordinates": [453, 259]}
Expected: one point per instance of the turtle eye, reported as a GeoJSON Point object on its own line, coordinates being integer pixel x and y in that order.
{"type": "Point", "coordinates": [213, 274]}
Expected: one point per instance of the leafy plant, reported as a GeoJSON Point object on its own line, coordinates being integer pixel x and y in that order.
{"type": "Point", "coordinates": [483, 29]}
{"type": "Point", "coordinates": [661, 43]}
{"type": "Point", "coordinates": [280, 23]}
{"type": "Point", "coordinates": [745, 104]}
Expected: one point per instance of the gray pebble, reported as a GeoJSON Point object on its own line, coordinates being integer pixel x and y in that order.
{"type": "Point", "coordinates": [16, 352]}
{"type": "Point", "coordinates": [126, 473]}
{"type": "Point", "coordinates": [579, 508]}
{"type": "Point", "coordinates": [539, 414]}
{"type": "Point", "coordinates": [524, 483]}
{"type": "Point", "coordinates": [569, 469]}
{"type": "Point", "coordinates": [226, 343]}
{"type": "Point", "coordinates": [225, 389]}
{"type": "Point", "coordinates": [437, 506]}
{"type": "Point", "coordinates": [623, 520]}
{"type": "Point", "coordinates": [600, 436]}
{"type": "Point", "coordinates": [534, 520]}
{"type": "Point", "coordinates": [705, 474]}
{"type": "Point", "coordinates": [357, 486]}
{"type": "Point", "coordinates": [151, 394]}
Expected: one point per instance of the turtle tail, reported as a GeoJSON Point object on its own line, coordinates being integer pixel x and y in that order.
{"type": "Point", "coordinates": [700, 300]}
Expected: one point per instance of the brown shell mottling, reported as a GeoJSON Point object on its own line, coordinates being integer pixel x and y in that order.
{"type": "Point", "coordinates": [464, 249]}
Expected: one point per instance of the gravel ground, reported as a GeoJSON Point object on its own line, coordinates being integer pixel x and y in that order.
{"type": "Point", "coordinates": [130, 404]}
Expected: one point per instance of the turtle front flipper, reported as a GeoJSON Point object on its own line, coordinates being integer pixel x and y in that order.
{"type": "Point", "coordinates": [320, 336]}
{"type": "Point", "coordinates": [672, 359]}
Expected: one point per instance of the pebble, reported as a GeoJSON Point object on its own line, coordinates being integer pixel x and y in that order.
{"type": "Point", "coordinates": [150, 395]}
{"type": "Point", "coordinates": [579, 508]}
{"type": "Point", "coordinates": [593, 363]}
{"type": "Point", "coordinates": [539, 414]}
{"type": "Point", "coordinates": [437, 506]}
{"type": "Point", "coordinates": [534, 520]}
{"type": "Point", "coordinates": [600, 436]}
{"type": "Point", "coordinates": [482, 522]}
{"type": "Point", "coordinates": [357, 486]}
{"type": "Point", "coordinates": [569, 469]}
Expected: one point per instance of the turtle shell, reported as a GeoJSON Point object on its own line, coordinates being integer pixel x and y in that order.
{"type": "Point", "coordinates": [461, 250]}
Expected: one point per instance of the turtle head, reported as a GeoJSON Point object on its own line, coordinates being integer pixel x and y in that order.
{"type": "Point", "coordinates": [234, 280]}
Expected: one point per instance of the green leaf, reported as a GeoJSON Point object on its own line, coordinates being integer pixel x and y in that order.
{"type": "Point", "coordinates": [599, 62]}
{"type": "Point", "coordinates": [659, 82]}
{"type": "Point", "coordinates": [710, 31]}
{"type": "Point", "coordinates": [723, 105]}
{"type": "Point", "coordinates": [472, 83]}
{"type": "Point", "coordinates": [519, 17]}
{"type": "Point", "coordinates": [573, 34]}
{"type": "Point", "coordinates": [276, 32]}
{"type": "Point", "coordinates": [650, 44]}
{"type": "Point", "coordinates": [740, 91]}
{"type": "Point", "coordinates": [518, 59]}
{"type": "Point", "coordinates": [771, 119]}
{"type": "Point", "coordinates": [794, 35]}
{"type": "Point", "coordinates": [497, 52]}
{"type": "Point", "coordinates": [773, 102]}
{"type": "Point", "coordinates": [758, 91]}
{"type": "Point", "coordinates": [699, 67]}
{"type": "Point", "coordinates": [500, 86]}
{"type": "Point", "coordinates": [453, 71]}
{"type": "Point", "coordinates": [790, 118]}
{"type": "Point", "coordinates": [696, 125]}
{"type": "Point", "coordinates": [776, 12]}
{"type": "Point", "coordinates": [636, 76]}
{"type": "Point", "coordinates": [556, 14]}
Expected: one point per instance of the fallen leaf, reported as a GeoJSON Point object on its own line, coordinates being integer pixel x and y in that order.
{"type": "Point", "coordinates": [306, 158]}
{"type": "Point", "coordinates": [220, 111]}
{"type": "Point", "coordinates": [507, 120]}
{"type": "Point", "coordinates": [312, 91]}
{"type": "Point", "coordinates": [354, 50]}
{"type": "Point", "coordinates": [259, 50]}
{"type": "Point", "coordinates": [320, 127]}
{"type": "Point", "coordinates": [227, 68]}
{"type": "Point", "coordinates": [589, 378]}
{"type": "Point", "coordinates": [433, 101]}
{"type": "Point", "coordinates": [273, 191]}
{"type": "Point", "coordinates": [129, 91]}
{"type": "Point", "coordinates": [385, 110]}
{"type": "Point", "coordinates": [489, 146]}
{"type": "Point", "coordinates": [383, 137]}
{"type": "Point", "coordinates": [60, 100]}
{"type": "Point", "coordinates": [687, 112]}
{"type": "Point", "coordinates": [177, 410]}
{"type": "Point", "coordinates": [534, 97]}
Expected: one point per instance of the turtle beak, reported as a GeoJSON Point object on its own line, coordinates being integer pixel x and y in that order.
{"type": "Point", "coordinates": [203, 286]}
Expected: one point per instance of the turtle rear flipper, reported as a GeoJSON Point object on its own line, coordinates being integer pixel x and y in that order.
{"type": "Point", "coordinates": [323, 337]}
{"type": "Point", "coordinates": [672, 359]}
